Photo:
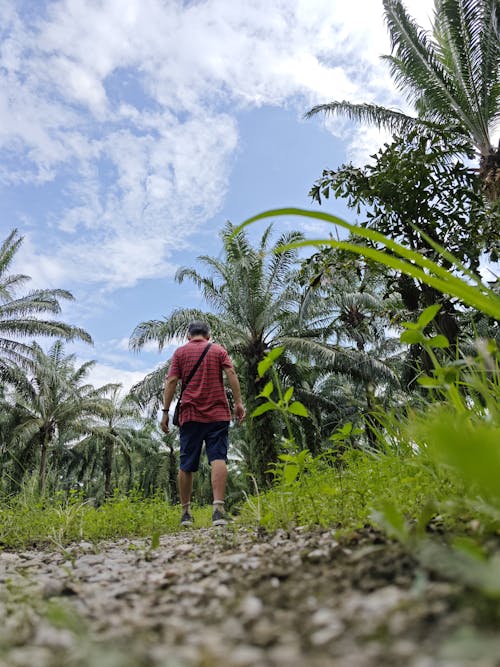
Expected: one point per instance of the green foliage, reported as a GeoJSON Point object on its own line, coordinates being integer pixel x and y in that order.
{"type": "Point", "coordinates": [412, 186]}
{"type": "Point", "coordinates": [24, 314]}
{"type": "Point", "coordinates": [451, 77]}
{"type": "Point", "coordinates": [471, 292]}
{"type": "Point", "coordinates": [27, 522]}
{"type": "Point", "coordinates": [324, 491]}
{"type": "Point", "coordinates": [284, 405]}
{"type": "Point", "coordinates": [447, 460]}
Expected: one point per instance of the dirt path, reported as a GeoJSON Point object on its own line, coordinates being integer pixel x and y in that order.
{"type": "Point", "coordinates": [234, 598]}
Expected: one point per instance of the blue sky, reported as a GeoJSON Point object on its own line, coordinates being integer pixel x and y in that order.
{"type": "Point", "coordinates": [131, 130]}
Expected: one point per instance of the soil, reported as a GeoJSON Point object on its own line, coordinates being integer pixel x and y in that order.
{"type": "Point", "coordinates": [233, 597]}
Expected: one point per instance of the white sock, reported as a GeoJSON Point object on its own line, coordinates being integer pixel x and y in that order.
{"type": "Point", "coordinates": [218, 505]}
{"type": "Point", "coordinates": [186, 507]}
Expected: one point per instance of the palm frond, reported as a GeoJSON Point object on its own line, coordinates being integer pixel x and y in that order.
{"type": "Point", "coordinates": [467, 34]}
{"type": "Point", "coordinates": [394, 121]}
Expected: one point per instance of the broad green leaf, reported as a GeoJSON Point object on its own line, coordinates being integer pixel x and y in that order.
{"type": "Point", "coordinates": [393, 521]}
{"type": "Point", "coordinates": [289, 458]}
{"type": "Point", "coordinates": [268, 360]}
{"type": "Point", "coordinates": [412, 337]}
{"type": "Point", "coordinates": [260, 409]}
{"type": "Point", "coordinates": [297, 408]}
{"type": "Point", "coordinates": [290, 473]}
{"type": "Point", "coordinates": [438, 341]}
{"type": "Point", "coordinates": [303, 456]}
{"type": "Point", "coordinates": [268, 390]}
{"type": "Point", "coordinates": [428, 315]}
{"type": "Point", "coordinates": [288, 394]}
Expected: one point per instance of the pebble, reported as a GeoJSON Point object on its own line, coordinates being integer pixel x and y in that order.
{"type": "Point", "coordinates": [207, 598]}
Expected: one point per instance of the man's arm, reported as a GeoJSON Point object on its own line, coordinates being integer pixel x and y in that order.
{"type": "Point", "coordinates": [232, 378]}
{"type": "Point", "coordinates": [168, 394]}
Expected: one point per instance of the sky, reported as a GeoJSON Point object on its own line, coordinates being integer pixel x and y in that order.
{"type": "Point", "coordinates": [132, 130]}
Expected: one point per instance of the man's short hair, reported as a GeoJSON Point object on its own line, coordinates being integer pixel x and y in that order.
{"type": "Point", "coordinates": [198, 328]}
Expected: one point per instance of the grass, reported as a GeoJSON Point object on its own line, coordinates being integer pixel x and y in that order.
{"type": "Point", "coordinates": [346, 494]}
{"type": "Point", "coordinates": [30, 523]}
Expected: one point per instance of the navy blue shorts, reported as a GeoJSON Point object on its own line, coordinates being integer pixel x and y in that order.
{"type": "Point", "coordinates": [193, 434]}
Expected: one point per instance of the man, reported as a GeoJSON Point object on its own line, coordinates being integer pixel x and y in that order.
{"type": "Point", "coordinates": [204, 415]}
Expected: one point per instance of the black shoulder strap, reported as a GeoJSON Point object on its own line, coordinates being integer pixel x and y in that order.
{"type": "Point", "coordinates": [195, 367]}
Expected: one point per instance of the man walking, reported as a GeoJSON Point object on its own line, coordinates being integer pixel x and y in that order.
{"type": "Point", "coordinates": [204, 414]}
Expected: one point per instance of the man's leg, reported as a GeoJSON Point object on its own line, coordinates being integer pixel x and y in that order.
{"type": "Point", "coordinates": [216, 440]}
{"type": "Point", "coordinates": [218, 476]}
{"type": "Point", "coordinates": [190, 445]}
{"type": "Point", "coordinates": [185, 487]}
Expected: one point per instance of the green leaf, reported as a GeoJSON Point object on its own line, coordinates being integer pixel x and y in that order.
{"type": "Point", "coordinates": [289, 458]}
{"type": "Point", "coordinates": [288, 394]}
{"type": "Point", "coordinates": [438, 341]}
{"type": "Point", "coordinates": [260, 409]}
{"type": "Point", "coordinates": [426, 381]}
{"type": "Point", "coordinates": [296, 408]}
{"type": "Point", "coordinates": [470, 547]}
{"type": "Point", "coordinates": [268, 360]}
{"type": "Point", "coordinates": [393, 521]}
{"type": "Point", "coordinates": [290, 473]}
{"type": "Point", "coordinates": [268, 390]}
{"type": "Point", "coordinates": [413, 326]}
{"type": "Point", "coordinates": [428, 315]}
{"type": "Point", "coordinates": [155, 539]}
{"type": "Point", "coordinates": [412, 337]}
{"type": "Point", "coordinates": [400, 258]}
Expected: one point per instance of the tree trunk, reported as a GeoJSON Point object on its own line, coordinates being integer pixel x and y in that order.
{"type": "Point", "coordinates": [44, 446]}
{"type": "Point", "coordinates": [371, 423]}
{"type": "Point", "coordinates": [46, 434]}
{"type": "Point", "coordinates": [108, 467]}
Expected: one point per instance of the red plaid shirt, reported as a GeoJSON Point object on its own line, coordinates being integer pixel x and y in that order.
{"type": "Point", "coordinates": [204, 399]}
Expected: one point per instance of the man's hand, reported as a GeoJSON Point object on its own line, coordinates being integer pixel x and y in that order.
{"type": "Point", "coordinates": [239, 411]}
{"type": "Point", "coordinates": [164, 422]}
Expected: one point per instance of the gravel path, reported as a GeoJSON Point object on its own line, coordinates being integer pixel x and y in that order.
{"type": "Point", "coordinates": [232, 597]}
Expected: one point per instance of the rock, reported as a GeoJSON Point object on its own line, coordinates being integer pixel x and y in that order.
{"type": "Point", "coordinates": [217, 599]}
{"type": "Point", "coordinates": [250, 607]}
{"type": "Point", "coordinates": [318, 555]}
{"type": "Point", "coordinates": [246, 656]}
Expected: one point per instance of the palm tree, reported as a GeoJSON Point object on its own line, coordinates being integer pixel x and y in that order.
{"type": "Point", "coordinates": [452, 78]}
{"type": "Point", "coordinates": [359, 310]}
{"type": "Point", "coordinates": [20, 315]}
{"type": "Point", "coordinates": [255, 303]}
{"type": "Point", "coordinates": [53, 404]}
{"type": "Point", "coordinates": [114, 429]}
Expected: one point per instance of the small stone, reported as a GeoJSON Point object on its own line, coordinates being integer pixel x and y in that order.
{"type": "Point", "coordinates": [318, 555]}
{"type": "Point", "coordinates": [250, 607]}
{"type": "Point", "coordinates": [325, 635]}
{"type": "Point", "coordinates": [246, 656]}
{"type": "Point", "coordinates": [323, 617]}
{"type": "Point", "coordinates": [264, 633]}
{"type": "Point", "coordinates": [183, 549]}
{"type": "Point", "coordinates": [53, 637]}
{"type": "Point", "coordinates": [51, 588]}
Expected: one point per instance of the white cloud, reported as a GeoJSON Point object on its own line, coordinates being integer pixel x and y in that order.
{"type": "Point", "coordinates": [101, 374]}
{"type": "Point", "coordinates": [145, 91]}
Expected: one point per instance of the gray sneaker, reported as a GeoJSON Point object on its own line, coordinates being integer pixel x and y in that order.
{"type": "Point", "coordinates": [219, 518]}
{"type": "Point", "coordinates": [186, 519]}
